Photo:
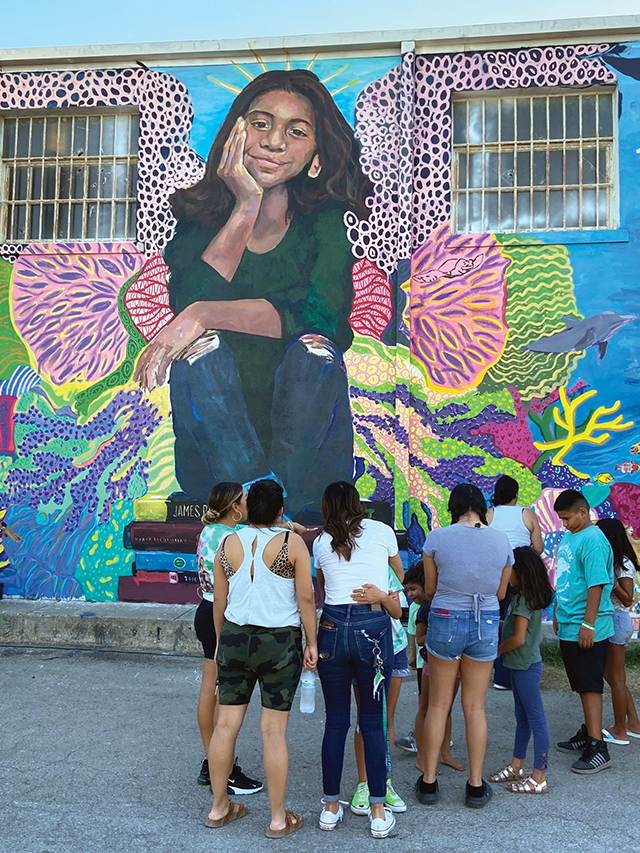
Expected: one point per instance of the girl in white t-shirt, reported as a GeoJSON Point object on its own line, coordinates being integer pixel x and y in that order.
{"type": "Point", "coordinates": [625, 565]}
{"type": "Point", "coordinates": [352, 558]}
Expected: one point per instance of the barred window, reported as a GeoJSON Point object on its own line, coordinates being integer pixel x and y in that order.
{"type": "Point", "coordinates": [534, 162]}
{"type": "Point", "coordinates": [68, 177]}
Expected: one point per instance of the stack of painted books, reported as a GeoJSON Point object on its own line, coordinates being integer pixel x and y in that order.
{"type": "Point", "coordinates": [164, 536]}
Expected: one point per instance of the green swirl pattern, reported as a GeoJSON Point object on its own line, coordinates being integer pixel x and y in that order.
{"type": "Point", "coordinates": [539, 292]}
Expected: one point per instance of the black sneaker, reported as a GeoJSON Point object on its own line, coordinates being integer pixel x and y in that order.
{"type": "Point", "coordinates": [594, 758]}
{"type": "Point", "coordinates": [240, 784]}
{"type": "Point", "coordinates": [577, 743]}
{"type": "Point", "coordinates": [204, 778]}
{"type": "Point", "coordinates": [427, 799]}
{"type": "Point", "coordinates": [478, 802]}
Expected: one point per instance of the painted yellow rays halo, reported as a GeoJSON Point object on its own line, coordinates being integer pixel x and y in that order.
{"type": "Point", "coordinates": [263, 67]}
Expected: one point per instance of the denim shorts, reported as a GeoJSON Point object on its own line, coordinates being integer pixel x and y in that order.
{"type": "Point", "coordinates": [454, 633]}
{"type": "Point", "coordinates": [401, 664]}
{"type": "Point", "coordinates": [622, 628]}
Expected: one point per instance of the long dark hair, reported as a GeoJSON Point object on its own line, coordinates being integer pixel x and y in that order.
{"type": "Point", "coordinates": [466, 498]}
{"type": "Point", "coordinates": [533, 578]}
{"type": "Point", "coordinates": [210, 201]}
{"type": "Point", "coordinates": [505, 490]}
{"type": "Point", "coordinates": [614, 530]}
{"type": "Point", "coordinates": [221, 498]}
{"type": "Point", "coordinates": [343, 515]}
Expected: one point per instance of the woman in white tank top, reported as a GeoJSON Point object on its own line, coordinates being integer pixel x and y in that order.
{"type": "Point", "coordinates": [263, 593]}
{"type": "Point", "coordinates": [518, 523]}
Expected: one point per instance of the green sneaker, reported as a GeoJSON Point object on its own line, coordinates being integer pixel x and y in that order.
{"type": "Point", "coordinates": [394, 802]}
{"type": "Point", "coordinates": [360, 801]}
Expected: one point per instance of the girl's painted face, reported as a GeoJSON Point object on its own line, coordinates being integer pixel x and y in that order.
{"type": "Point", "coordinates": [281, 138]}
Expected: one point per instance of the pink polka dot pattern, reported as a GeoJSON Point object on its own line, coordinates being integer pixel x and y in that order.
{"type": "Point", "coordinates": [384, 124]}
{"type": "Point", "coordinates": [381, 139]}
{"type": "Point", "coordinates": [438, 76]}
{"type": "Point", "coordinates": [165, 161]}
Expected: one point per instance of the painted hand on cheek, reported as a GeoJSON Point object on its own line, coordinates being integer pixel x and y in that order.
{"type": "Point", "coordinates": [232, 169]}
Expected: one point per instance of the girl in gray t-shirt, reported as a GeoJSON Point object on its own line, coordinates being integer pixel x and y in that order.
{"type": "Point", "coordinates": [467, 567]}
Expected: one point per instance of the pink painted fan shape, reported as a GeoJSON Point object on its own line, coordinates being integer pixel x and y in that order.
{"type": "Point", "coordinates": [147, 299]}
{"type": "Point", "coordinates": [372, 300]}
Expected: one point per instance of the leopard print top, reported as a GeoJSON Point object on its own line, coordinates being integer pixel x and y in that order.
{"type": "Point", "coordinates": [281, 566]}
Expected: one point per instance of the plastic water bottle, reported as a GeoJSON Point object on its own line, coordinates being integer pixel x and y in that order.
{"type": "Point", "coordinates": [308, 692]}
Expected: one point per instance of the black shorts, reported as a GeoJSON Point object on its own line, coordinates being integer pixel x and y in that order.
{"type": "Point", "coordinates": [205, 630]}
{"type": "Point", "coordinates": [585, 667]}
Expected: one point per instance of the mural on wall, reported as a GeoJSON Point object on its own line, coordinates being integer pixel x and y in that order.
{"type": "Point", "coordinates": [295, 304]}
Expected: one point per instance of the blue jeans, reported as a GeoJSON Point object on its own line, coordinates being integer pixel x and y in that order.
{"type": "Point", "coordinates": [530, 717]}
{"type": "Point", "coordinates": [345, 649]}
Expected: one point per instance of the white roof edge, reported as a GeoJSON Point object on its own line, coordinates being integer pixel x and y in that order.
{"type": "Point", "coordinates": [439, 39]}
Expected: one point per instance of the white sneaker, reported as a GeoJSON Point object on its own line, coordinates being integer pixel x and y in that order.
{"type": "Point", "coordinates": [382, 827]}
{"type": "Point", "coordinates": [329, 820]}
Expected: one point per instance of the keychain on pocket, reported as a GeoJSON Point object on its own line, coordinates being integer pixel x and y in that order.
{"type": "Point", "coordinates": [379, 692]}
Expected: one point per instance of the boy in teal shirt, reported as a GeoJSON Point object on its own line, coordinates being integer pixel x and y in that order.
{"type": "Point", "coordinates": [583, 620]}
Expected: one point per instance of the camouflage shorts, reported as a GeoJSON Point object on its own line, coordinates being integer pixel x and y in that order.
{"type": "Point", "coordinates": [270, 656]}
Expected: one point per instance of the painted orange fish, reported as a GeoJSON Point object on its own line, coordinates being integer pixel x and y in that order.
{"type": "Point", "coordinates": [628, 467]}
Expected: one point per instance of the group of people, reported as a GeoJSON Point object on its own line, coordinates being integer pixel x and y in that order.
{"type": "Point", "coordinates": [260, 627]}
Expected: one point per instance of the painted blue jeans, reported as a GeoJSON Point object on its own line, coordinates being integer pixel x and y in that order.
{"type": "Point", "coordinates": [312, 430]}
{"type": "Point", "coordinates": [346, 638]}
{"type": "Point", "coordinates": [530, 716]}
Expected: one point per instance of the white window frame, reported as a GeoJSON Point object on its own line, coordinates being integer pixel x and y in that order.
{"type": "Point", "coordinates": [80, 193]}
{"type": "Point", "coordinates": [464, 220]}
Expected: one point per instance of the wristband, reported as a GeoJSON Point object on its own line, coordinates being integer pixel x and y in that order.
{"type": "Point", "coordinates": [589, 626]}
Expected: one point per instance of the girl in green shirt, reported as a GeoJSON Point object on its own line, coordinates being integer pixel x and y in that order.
{"type": "Point", "coordinates": [521, 636]}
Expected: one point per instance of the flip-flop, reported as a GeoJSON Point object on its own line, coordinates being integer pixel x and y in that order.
{"type": "Point", "coordinates": [292, 821]}
{"type": "Point", "coordinates": [607, 737]}
{"type": "Point", "coordinates": [236, 811]}
{"type": "Point", "coordinates": [632, 734]}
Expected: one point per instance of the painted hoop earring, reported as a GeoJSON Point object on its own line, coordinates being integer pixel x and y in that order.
{"type": "Point", "coordinates": [237, 520]}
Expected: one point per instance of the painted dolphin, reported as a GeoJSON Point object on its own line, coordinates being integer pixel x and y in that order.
{"type": "Point", "coordinates": [582, 334]}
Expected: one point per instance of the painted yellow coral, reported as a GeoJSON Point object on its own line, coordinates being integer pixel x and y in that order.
{"type": "Point", "coordinates": [586, 434]}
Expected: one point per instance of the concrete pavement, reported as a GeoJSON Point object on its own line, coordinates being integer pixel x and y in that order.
{"type": "Point", "coordinates": [100, 753]}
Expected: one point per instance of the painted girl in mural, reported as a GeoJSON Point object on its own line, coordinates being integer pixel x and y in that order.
{"type": "Point", "coordinates": [261, 285]}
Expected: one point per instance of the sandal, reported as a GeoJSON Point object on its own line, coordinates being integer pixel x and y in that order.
{"type": "Point", "coordinates": [292, 821]}
{"type": "Point", "coordinates": [236, 811]}
{"type": "Point", "coordinates": [529, 786]}
{"type": "Point", "coordinates": [507, 774]}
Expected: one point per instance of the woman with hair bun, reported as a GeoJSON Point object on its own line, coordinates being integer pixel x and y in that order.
{"type": "Point", "coordinates": [466, 567]}
{"type": "Point", "coordinates": [264, 597]}
{"type": "Point", "coordinates": [226, 508]}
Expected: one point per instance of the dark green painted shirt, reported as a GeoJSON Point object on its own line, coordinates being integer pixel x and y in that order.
{"type": "Point", "coordinates": [307, 278]}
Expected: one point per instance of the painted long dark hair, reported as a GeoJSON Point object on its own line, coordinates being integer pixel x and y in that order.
{"type": "Point", "coordinates": [210, 201]}
{"type": "Point", "coordinates": [614, 530]}
{"type": "Point", "coordinates": [533, 578]}
{"type": "Point", "coordinates": [343, 515]}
